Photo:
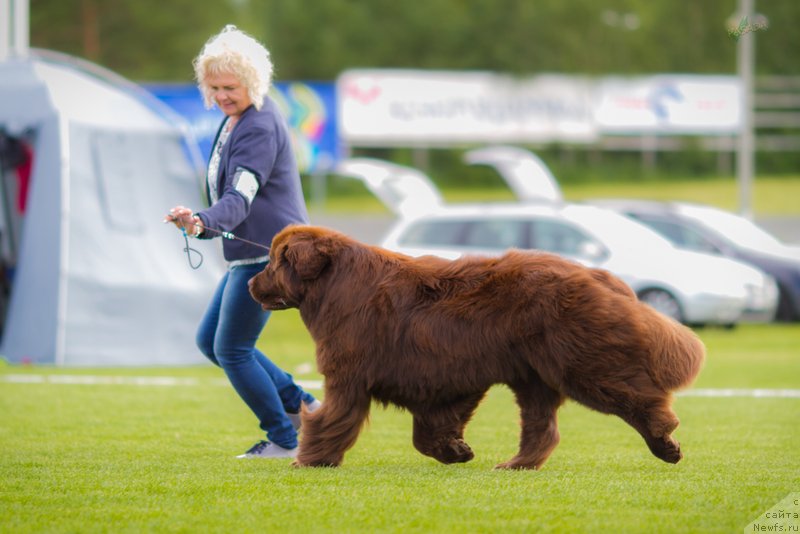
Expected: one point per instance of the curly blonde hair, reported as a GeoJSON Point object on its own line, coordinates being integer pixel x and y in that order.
{"type": "Point", "coordinates": [232, 51]}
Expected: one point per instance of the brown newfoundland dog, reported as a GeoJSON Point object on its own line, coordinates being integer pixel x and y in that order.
{"type": "Point", "coordinates": [432, 336]}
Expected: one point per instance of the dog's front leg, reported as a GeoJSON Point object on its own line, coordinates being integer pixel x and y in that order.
{"type": "Point", "coordinates": [439, 432]}
{"type": "Point", "coordinates": [331, 430]}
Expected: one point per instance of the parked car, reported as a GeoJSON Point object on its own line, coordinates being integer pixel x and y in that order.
{"type": "Point", "coordinates": [707, 229]}
{"type": "Point", "coordinates": [693, 288]}
{"type": "Point", "coordinates": [693, 227]}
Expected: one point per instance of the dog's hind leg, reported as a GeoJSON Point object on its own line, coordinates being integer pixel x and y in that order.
{"type": "Point", "coordinates": [539, 434]}
{"type": "Point", "coordinates": [332, 429]}
{"type": "Point", "coordinates": [439, 432]}
{"type": "Point", "coordinates": [655, 421]}
{"type": "Point", "coordinates": [641, 404]}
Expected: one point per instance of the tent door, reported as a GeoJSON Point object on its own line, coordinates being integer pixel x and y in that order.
{"type": "Point", "coordinates": [16, 160]}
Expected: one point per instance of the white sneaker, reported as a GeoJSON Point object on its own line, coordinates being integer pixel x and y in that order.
{"type": "Point", "coordinates": [265, 449]}
{"type": "Point", "coordinates": [295, 417]}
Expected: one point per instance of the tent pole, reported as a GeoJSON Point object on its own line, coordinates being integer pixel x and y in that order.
{"type": "Point", "coordinates": [5, 29]}
{"type": "Point", "coordinates": [63, 246]}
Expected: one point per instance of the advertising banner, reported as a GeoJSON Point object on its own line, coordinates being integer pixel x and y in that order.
{"type": "Point", "coordinates": [395, 107]}
{"type": "Point", "coordinates": [391, 107]}
{"type": "Point", "coordinates": [669, 104]}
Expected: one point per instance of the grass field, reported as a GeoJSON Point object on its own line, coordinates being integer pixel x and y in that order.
{"type": "Point", "coordinates": [106, 450]}
{"type": "Point", "coordinates": [122, 457]}
{"type": "Point", "coordinates": [771, 196]}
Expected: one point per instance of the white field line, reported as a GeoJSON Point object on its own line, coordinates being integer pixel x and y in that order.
{"type": "Point", "coordinates": [317, 384]}
{"type": "Point", "coordinates": [754, 393]}
{"type": "Point", "coordinates": [101, 380]}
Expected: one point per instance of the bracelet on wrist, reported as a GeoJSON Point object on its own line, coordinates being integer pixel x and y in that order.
{"type": "Point", "coordinates": [198, 228]}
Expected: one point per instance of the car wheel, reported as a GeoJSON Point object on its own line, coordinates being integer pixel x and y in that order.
{"type": "Point", "coordinates": [663, 302]}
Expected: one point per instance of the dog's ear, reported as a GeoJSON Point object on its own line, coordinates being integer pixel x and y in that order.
{"type": "Point", "coordinates": [307, 257]}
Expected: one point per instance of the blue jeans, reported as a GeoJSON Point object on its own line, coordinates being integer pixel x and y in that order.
{"type": "Point", "coordinates": [227, 336]}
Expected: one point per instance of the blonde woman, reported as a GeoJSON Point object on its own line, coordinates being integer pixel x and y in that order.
{"type": "Point", "coordinates": [253, 189]}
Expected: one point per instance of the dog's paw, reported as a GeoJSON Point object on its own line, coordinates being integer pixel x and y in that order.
{"type": "Point", "coordinates": [454, 450]}
{"type": "Point", "coordinates": [515, 463]}
{"type": "Point", "coordinates": [672, 452]}
{"type": "Point", "coordinates": [667, 449]}
{"type": "Point", "coordinates": [315, 463]}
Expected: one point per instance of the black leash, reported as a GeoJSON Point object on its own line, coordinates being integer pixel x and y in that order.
{"type": "Point", "coordinates": [226, 235]}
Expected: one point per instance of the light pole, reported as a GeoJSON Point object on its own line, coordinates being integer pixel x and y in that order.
{"type": "Point", "coordinates": [745, 156]}
{"type": "Point", "coordinates": [14, 20]}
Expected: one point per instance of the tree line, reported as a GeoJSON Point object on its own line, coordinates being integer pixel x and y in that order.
{"type": "Point", "coordinates": [155, 40]}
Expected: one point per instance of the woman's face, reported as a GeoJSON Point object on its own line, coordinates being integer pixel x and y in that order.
{"type": "Point", "coordinates": [228, 93]}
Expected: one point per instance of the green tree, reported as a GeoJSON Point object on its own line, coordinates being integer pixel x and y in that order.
{"type": "Point", "coordinates": [316, 39]}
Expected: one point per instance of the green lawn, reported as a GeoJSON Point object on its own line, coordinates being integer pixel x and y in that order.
{"type": "Point", "coordinates": [144, 458]}
{"type": "Point", "coordinates": [771, 196]}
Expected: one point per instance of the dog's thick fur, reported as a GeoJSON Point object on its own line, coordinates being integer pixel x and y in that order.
{"type": "Point", "coordinates": [432, 336]}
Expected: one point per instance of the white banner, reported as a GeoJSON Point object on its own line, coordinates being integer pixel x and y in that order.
{"type": "Point", "coordinates": [380, 107]}
{"type": "Point", "coordinates": [416, 107]}
{"type": "Point", "coordinates": [679, 104]}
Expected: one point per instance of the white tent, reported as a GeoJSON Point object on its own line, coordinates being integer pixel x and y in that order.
{"type": "Point", "coordinates": [99, 279]}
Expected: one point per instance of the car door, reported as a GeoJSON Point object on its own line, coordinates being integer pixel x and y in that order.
{"type": "Point", "coordinates": [679, 233]}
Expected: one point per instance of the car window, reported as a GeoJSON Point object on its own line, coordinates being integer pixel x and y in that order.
{"type": "Point", "coordinates": [497, 233]}
{"type": "Point", "coordinates": [680, 234]}
{"type": "Point", "coordinates": [436, 233]}
{"type": "Point", "coordinates": [564, 239]}
{"type": "Point", "coordinates": [491, 234]}
{"type": "Point", "coordinates": [732, 228]}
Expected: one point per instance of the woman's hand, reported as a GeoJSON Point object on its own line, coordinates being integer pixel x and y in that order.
{"type": "Point", "coordinates": [182, 217]}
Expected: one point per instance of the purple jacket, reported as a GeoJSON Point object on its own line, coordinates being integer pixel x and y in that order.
{"type": "Point", "coordinates": [258, 184]}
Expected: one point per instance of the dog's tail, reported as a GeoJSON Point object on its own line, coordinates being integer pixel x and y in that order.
{"type": "Point", "coordinates": [678, 354]}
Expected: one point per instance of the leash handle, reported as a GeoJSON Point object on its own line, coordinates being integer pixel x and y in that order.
{"type": "Point", "coordinates": [188, 250]}
{"type": "Point", "coordinates": [226, 235]}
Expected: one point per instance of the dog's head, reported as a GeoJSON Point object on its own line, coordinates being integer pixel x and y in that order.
{"type": "Point", "coordinates": [298, 256]}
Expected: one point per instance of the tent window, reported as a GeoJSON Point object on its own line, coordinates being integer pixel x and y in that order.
{"type": "Point", "coordinates": [115, 163]}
